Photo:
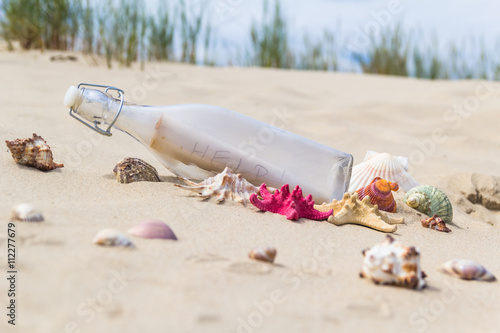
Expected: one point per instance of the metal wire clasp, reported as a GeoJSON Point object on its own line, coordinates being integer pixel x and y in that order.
{"type": "Point", "coordinates": [95, 127]}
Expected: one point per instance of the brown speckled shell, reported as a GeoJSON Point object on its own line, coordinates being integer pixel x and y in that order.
{"type": "Point", "coordinates": [131, 170]}
{"type": "Point", "coordinates": [33, 152]}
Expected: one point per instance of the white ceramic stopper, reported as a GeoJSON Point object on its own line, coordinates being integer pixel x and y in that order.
{"type": "Point", "coordinates": [71, 96]}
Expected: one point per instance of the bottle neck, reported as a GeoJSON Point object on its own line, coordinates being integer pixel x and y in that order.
{"type": "Point", "coordinates": [102, 109]}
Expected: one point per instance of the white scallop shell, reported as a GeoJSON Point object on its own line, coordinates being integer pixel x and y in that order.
{"type": "Point", "coordinates": [467, 270]}
{"type": "Point", "coordinates": [111, 237]}
{"type": "Point", "coordinates": [25, 213]}
{"type": "Point", "coordinates": [392, 263]}
{"type": "Point", "coordinates": [383, 165]}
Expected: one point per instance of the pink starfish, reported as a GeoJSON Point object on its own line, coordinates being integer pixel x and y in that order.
{"type": "Point", "coordinates": [292, 205]}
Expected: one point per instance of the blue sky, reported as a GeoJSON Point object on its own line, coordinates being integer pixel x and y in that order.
{"type": "Point", "coordinates": [447, 19]}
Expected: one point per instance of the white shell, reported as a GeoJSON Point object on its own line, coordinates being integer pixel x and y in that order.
{"type": "Point", "coordinates": [25, 213]}
{"type": "Point", "coordinates": [225, 185]}
{"type": "Point", "coordinates": [392, 263]}
{"type": "Point", "coordinates": [385, 166]}
{"type": "Point", "coordinates": [111, 237]}
{"type": "Point", "coordinates": [263, 254]}
{"type": "Point", "coordinates": [467, 270]}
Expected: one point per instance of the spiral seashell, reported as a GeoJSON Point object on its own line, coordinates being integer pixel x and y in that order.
{"type": "Point", "coordinates": [380, 192]}
{"type": "Point", "coordinates": [431, 201]}
{"type": "Point", "coordinates": [33, 152]}
{"type": "Point", "coordinates": [263, 254]}
{"type": "Point", "coordinates": [467, 270]}
{"type": "Point", "coordinates": [111, 237]}
{"type": "Point", "coordinates": [390, 262]}
{"type": "Point", "coordinates": [25, 213]}
{"type": "Point", "coordinates": [152, 229]}
{"type": "Point", "coordinates": [131, 170]}
{"type": "Point", "coordinates": [225, 185]}
{"type": "Point", "coordinates": [385, 166]}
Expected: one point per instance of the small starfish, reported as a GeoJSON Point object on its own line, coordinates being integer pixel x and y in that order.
{"type": "Point", "coordinates": [292, 205]}
{"type": "Point", "coordinates": [351, 210]}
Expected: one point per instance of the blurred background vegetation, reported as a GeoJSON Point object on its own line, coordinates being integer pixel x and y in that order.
{"type": "Point", "coordinates": [123, 31]}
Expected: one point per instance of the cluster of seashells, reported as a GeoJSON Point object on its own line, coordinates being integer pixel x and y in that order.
{"type": "Point", "coordinates": [369, 203]}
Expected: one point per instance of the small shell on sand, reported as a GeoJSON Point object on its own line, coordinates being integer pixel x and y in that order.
{"type": "Point", "coordinates": [152, 229]}
{"type": "Point", "coordinates": [33, 152]}
{"type": "Point", "coordinates": [436, 223]}
{"type": "Point", "coordinates": [266, 254]}
{"type": "Point", "coordinates": [131, 170]}
{"type": "Point", "coordinates": [25, 213]}
{"type": "Point", "coordinates": [467, 270]}
{"type": "Point", "coordinates": [390, 262]}
{"type": "Point", "coordinates": [111, 237]}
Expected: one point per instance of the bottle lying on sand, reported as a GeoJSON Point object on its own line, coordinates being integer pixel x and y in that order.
{"type": "Point", "coordinates": [197, 141]}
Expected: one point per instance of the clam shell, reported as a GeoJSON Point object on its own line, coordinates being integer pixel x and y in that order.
{"type": "Point", "coordinates": [25, 213]}
{"type": "Point", "coordinates": [131, 170]}
{"type": "Point", "coordinates": [390, 262]}
{"type": "Point", "coordinates": [467, 270]}
{"type": "Point", "coordinates": [33, 152]}
{"type": "Point", "coordinates": [431, 201]}
{"type": "Point", "coordinates": [385, 166]}
{"type": "Point", "coordinates": [263, 254]}
{"type": "Point", "coordinates": [380, 192]}
{"type": "Point", "coordinates": [112, 237]}
{"type": "Point", "coordinates": [152, 229]}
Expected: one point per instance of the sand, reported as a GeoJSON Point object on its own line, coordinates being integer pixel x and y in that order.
{"type": "Point", "coordinates": [204, 281]}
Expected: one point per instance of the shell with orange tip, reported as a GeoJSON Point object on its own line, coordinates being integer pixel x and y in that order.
{"type": "Point", "coordinates": [380, 192]}
{"type": "Point", "coordinates": [385, 166]}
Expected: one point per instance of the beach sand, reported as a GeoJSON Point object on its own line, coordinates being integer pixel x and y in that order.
{"type": "Point", "coordinates": [205, 281]}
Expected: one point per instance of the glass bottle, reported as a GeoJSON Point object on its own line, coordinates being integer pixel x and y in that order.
{"type": "Point", "coordinates": [197, 141]}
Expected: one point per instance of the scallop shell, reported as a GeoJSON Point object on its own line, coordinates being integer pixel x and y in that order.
{"type": "Point", "coordinates": [152, 229]}
{"type": "Point", "coordinates": [263, 254]}
{"type": "Point", "coordinates": [380, 192]}
{"type": "Point", "coordinates": [467, 270]}
{"type": "Point", "coordinates": [25, 213]}
{"type": "Point", "coordinates": [111, 237]}
{"type": "Point", "coordinates": [385, 166]}
{"type": "Point", "coordinates": [431, 201]}
{"type": "Point", "coordinates": [225, 185]}
{"type": "Point", "coordinates": [390, 262]}
{"type": "Point", "coordinates": [131, 170]}
{"type": "Point", "coordinates": [33, 152]}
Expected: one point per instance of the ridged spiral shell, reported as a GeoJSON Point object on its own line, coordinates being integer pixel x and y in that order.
{"type": "Point", "coordinates": [431, 201]}
{"type": "Point", "coordinates": [380, 192]}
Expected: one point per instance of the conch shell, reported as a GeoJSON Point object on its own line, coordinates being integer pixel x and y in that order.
{"type": "Point", "coordinates": [385, 166]}
{"type": "Point", "coordinates": [350, 210]}
{"type": "Point", "coordinates": [33, 152]}
{"type": "Point", "coordinates": [390, 262]}
{"type": "Point", "coordinates": [225, 185]}
{"type": "Point", "coordinates": [430, 201]}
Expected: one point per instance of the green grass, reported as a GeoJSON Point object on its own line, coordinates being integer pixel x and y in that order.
{"type": "Point", "coordinates": [124, 33]}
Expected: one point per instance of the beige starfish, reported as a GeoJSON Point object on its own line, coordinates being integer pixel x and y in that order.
{"type": "Point", "coordinates": [351, 210]}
